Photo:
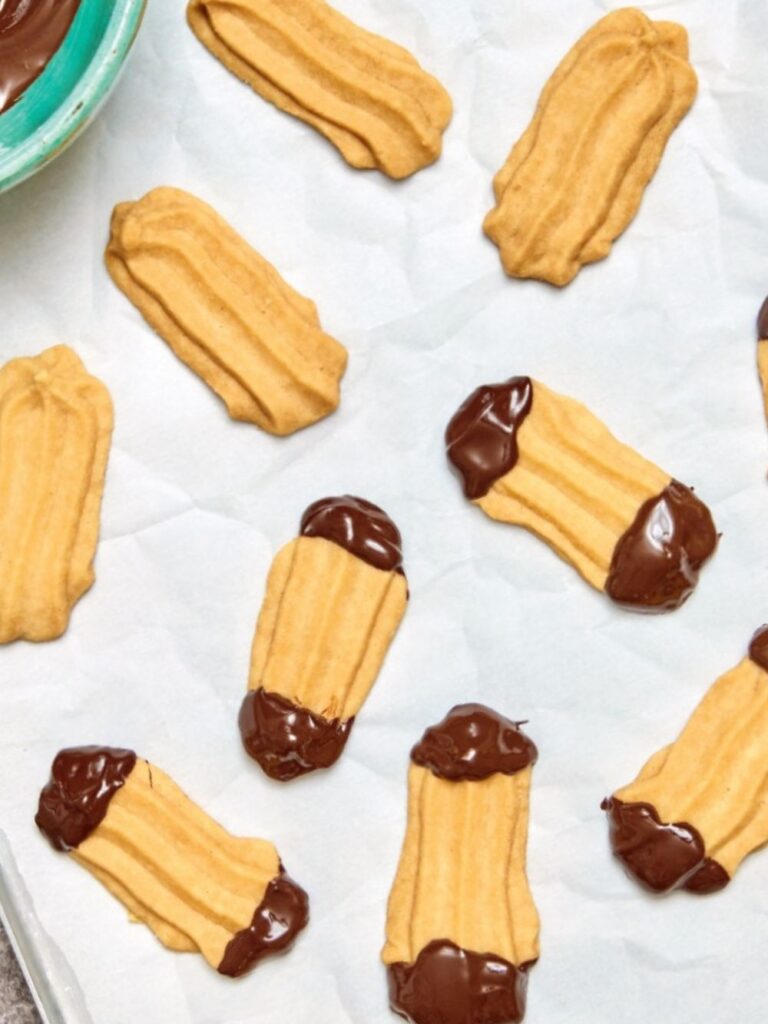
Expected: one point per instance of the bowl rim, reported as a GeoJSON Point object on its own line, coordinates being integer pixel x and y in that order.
{"type": "Point", "coordinates": [82, 104]}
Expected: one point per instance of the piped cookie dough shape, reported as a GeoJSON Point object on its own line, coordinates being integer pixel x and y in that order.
{"type": "Point", "coordinates": [369, 97]}
{"type": "Point", "coordinates": [462, 927]}
{"type": "Point", "coordinates": [196, 886]}
{"type": "Point", "coordinates": [762, 351]}
{"type": "Point", "coordinates": [533, 458]}
{"type": "Point", "coordinates": [225, 311]}
{"type": "Point", "coordinates": [575, 179]}
{"type": "Point", "coordinates": [700, 806]}
{"type": "Point", "coordinates": [55, 432]}
{"type": "Point", "coordinates": [334, 600]}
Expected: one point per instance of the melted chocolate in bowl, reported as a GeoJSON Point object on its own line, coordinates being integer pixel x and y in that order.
{"type": "Point", "coordinates": [31, 31]}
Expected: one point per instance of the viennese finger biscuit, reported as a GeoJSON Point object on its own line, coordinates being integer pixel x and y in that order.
{"type": "Point", "coordinates": [366, 95]}
{"type": "Point", "coordinates": [575, 179]}
{"type": "Point", "coordinates": [531, 457]}
{"type": "Point", "coordinates": [175, 869]}
{"type": "Point", "coordinates": [335, 597]}
{"type": "Point", "coordinates": [700, 805]}
{"type": "Point", "coordinates": [225, 311]}
{"type": "Point", "coordinates": [462, 928]}
{"type": "Point", "coordinates": [762, 351]}
{"type": "Point", "coordinates": [55, 430]}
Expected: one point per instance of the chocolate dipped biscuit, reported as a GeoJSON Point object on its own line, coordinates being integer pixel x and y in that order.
{"type": "Point", "coordinates": [537, 459]}
{"type": "Point", "coordinates": [762, 351]}
{"type": "Point", "coordinates": [700, 806]}
{"type": "Point", "coordinates": [335, 597]}
{"type": "Point", "coordinates": [462, 928]}
{"type": "Point", "coordinates": [575, 179]}
{"type": "Point", "coordinates": [369, 97]}
{"type": "Point", "coordinates": [225, 311]}
{"type": "Point", "coordinates": [55, 433]}
{"type": "Point", "coordinates": [196, 886]}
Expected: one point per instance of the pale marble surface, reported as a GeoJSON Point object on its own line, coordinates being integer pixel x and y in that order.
{"type": "Point", "coordinates": [16, 1005]}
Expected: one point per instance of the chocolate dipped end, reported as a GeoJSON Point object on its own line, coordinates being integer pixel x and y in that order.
{"type": "Point", "coordinates": [472, 743]}
{"type": "Point", "coordinates": [359, 527]}
{"type": "Point", "coordinates": [656, 563]}
{"type": "Point", "coordinates": [758, 648]}
{"type": "Point", "coordinates": [31, 31]}
{"type": "Point", "coordinates": [481, 439]}
{"type": "Point", "coordinates": [661, 856]}
{"type": "Point", "coordinates": [278, 919]}
{"type": "Point", "coordinates": [450, 985]}
{"type": "Point", "coordinates": [76, 798]}
{"type": "Point", "coordinates": [288, 740]}
{"type": "Point", "coordinates": [762, 322]}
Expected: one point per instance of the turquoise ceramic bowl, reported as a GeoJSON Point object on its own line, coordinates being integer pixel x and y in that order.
{"type": "Point", "coordinates": [67, 96]}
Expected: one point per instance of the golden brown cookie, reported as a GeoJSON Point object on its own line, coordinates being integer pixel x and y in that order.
{"type": "Point", "coordinates": [366, 95]}
{"type": "Point", "coordinates": [700, 806]}
{"type": "Point", "coordinates": [225, 311]}
{"type": "Point", "coordinates": [531, 457]}
{"type": "Point", "coordinates": [55, 431]}
{"type": "Point", "coordinates": [462, 927]}
{"type": "Point", "coordinates": [762, 351]}
{"type": "Point", "coordinates": [575, 179]}
{"type": "Point", "coordinates": [175, 869]}
{"type": "Point", "coordinates": [335, 597]}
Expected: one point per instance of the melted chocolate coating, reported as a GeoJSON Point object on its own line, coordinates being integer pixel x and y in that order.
{"type": "Point", "coordinates": [762, 322]}
{"type": "Point", "coordinates": [359, 527]}
{"type": "Point", "coordinates": [758, 648]}
{"type": "Point", "coordinates": [450, 985]}
{"type": "Point", "coordinates": [287, 740]}
{"type": "Point", "coordinates": [656, 563]}
{"type": "Point", "coordinates": [278, 919]}
{"type": "Point", "coordinates": [31, 31]}
{"type": "Point", "coordinates": [76, 798]}
{"type": "Point", "coordinates": [481, 439]}
{"type": "Point", "coordinates": [661, 856]}
{"type": "Point", "coordinates": [474, 742]}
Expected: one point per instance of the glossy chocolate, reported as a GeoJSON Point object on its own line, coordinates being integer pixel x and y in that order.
{"type": "Point", "coordinates": [481, 438]}
{"type": "Point", "coordinates": [656, 563]}
{"type": "Point", "coordinates": [758, 648]}
{"type": "Point", "coordinates": [287, 740]}
{"type": "Point", "coordinates": [360, 527]}
{"type": "Point", "coordinates": [473, 742]}
{"type": "Point", "coordinates": [76, 798]}
{"type": "Point", "coordinates": [278, 919]}
{"type": "Point", "coordinates": [450, 985]}
{"type": "Point", "coordinates": [31, 31]}
{"type": "Point", "coordinates": [661, 856]}
{"type": "Point", "coordinates": [762, 322]}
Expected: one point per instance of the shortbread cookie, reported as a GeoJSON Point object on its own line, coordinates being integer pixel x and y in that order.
{"type": "Point", "coordinates": [175, 869]}
{"type": "Point", "coordinates": [225, 311]}
{"type": "Point", "coordinates": [762, 351]}
{"type": "Point", "coordinates": [366, 95]}
{"type": "Point", "coordinates": [462, 928]}
{"type": "Point", "coordinates": [700, 806]}
{"type": "Point", "coordinates": [55, 431]}
{"type": "Point", "coordinates": [575, 179]}
{"type": "Point", "coordinates": [537, 459]}
{"type": "Point", "coordinates": [335, 597]}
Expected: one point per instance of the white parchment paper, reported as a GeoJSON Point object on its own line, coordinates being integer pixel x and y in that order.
{"type": "Point", "coordinates": [658, 341]}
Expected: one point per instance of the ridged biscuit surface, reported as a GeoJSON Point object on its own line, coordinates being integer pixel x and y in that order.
{"type": "Point", "coordinates": [462, 927]}
{"type": "Point", "coordinates": [537, 459]}
{"type": "Point", "coordinates": [55, 430]}
{"type": "Point", "coordinates": [197, 887]}
{"type": "Point", "coordinates": [328, 617]}
{"type": "Point", "coordinates": [700, 806]}
{"type": "Point", "coordinates": [366, 95]}
{"type": "Point", "coordinates": [575, 179]}
{"type": "Point", "coordinates": [225, 311]}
